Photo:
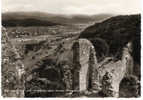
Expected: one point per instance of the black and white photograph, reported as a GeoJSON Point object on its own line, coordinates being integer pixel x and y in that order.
{"type": "Point", "coordinates": [71, 48]}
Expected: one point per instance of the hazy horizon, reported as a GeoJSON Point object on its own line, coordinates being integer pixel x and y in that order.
{"type": "Point", "coordinates": [73, 7]}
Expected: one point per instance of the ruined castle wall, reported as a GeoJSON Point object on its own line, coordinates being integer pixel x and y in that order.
{"type": "Point", "coordinates": [85, 64]}
{"type": "Point", "coordinates": [12, 69]}
{"type": "Point", "coordinates": [113, 72]}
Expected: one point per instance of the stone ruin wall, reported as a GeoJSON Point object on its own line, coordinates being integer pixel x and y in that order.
{"type": "Point", "coordinates": [85, 65]}
{"type": "Point", "coordinates": [105, 77]}
{"type": "Point", "coordinates": [12, 69]}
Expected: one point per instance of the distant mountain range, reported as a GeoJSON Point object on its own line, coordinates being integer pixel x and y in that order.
{"type": "Point", "coordinates": [26, 22]}
{"type": "Point", "coordinates": [46, 19]}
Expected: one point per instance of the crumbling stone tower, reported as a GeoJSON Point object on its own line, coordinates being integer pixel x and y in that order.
{"type": "Point", "coordinates": [85, 74]}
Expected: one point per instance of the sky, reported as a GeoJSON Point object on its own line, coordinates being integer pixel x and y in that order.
{"type": "Point", "coordinates": [89, 7]}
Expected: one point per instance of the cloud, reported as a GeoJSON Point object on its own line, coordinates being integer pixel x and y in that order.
{"type": "Point", "coordinates": [74, 6]}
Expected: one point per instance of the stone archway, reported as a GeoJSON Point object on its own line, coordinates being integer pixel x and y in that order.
{"type": "Point", "coordinates": [85, 66]}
